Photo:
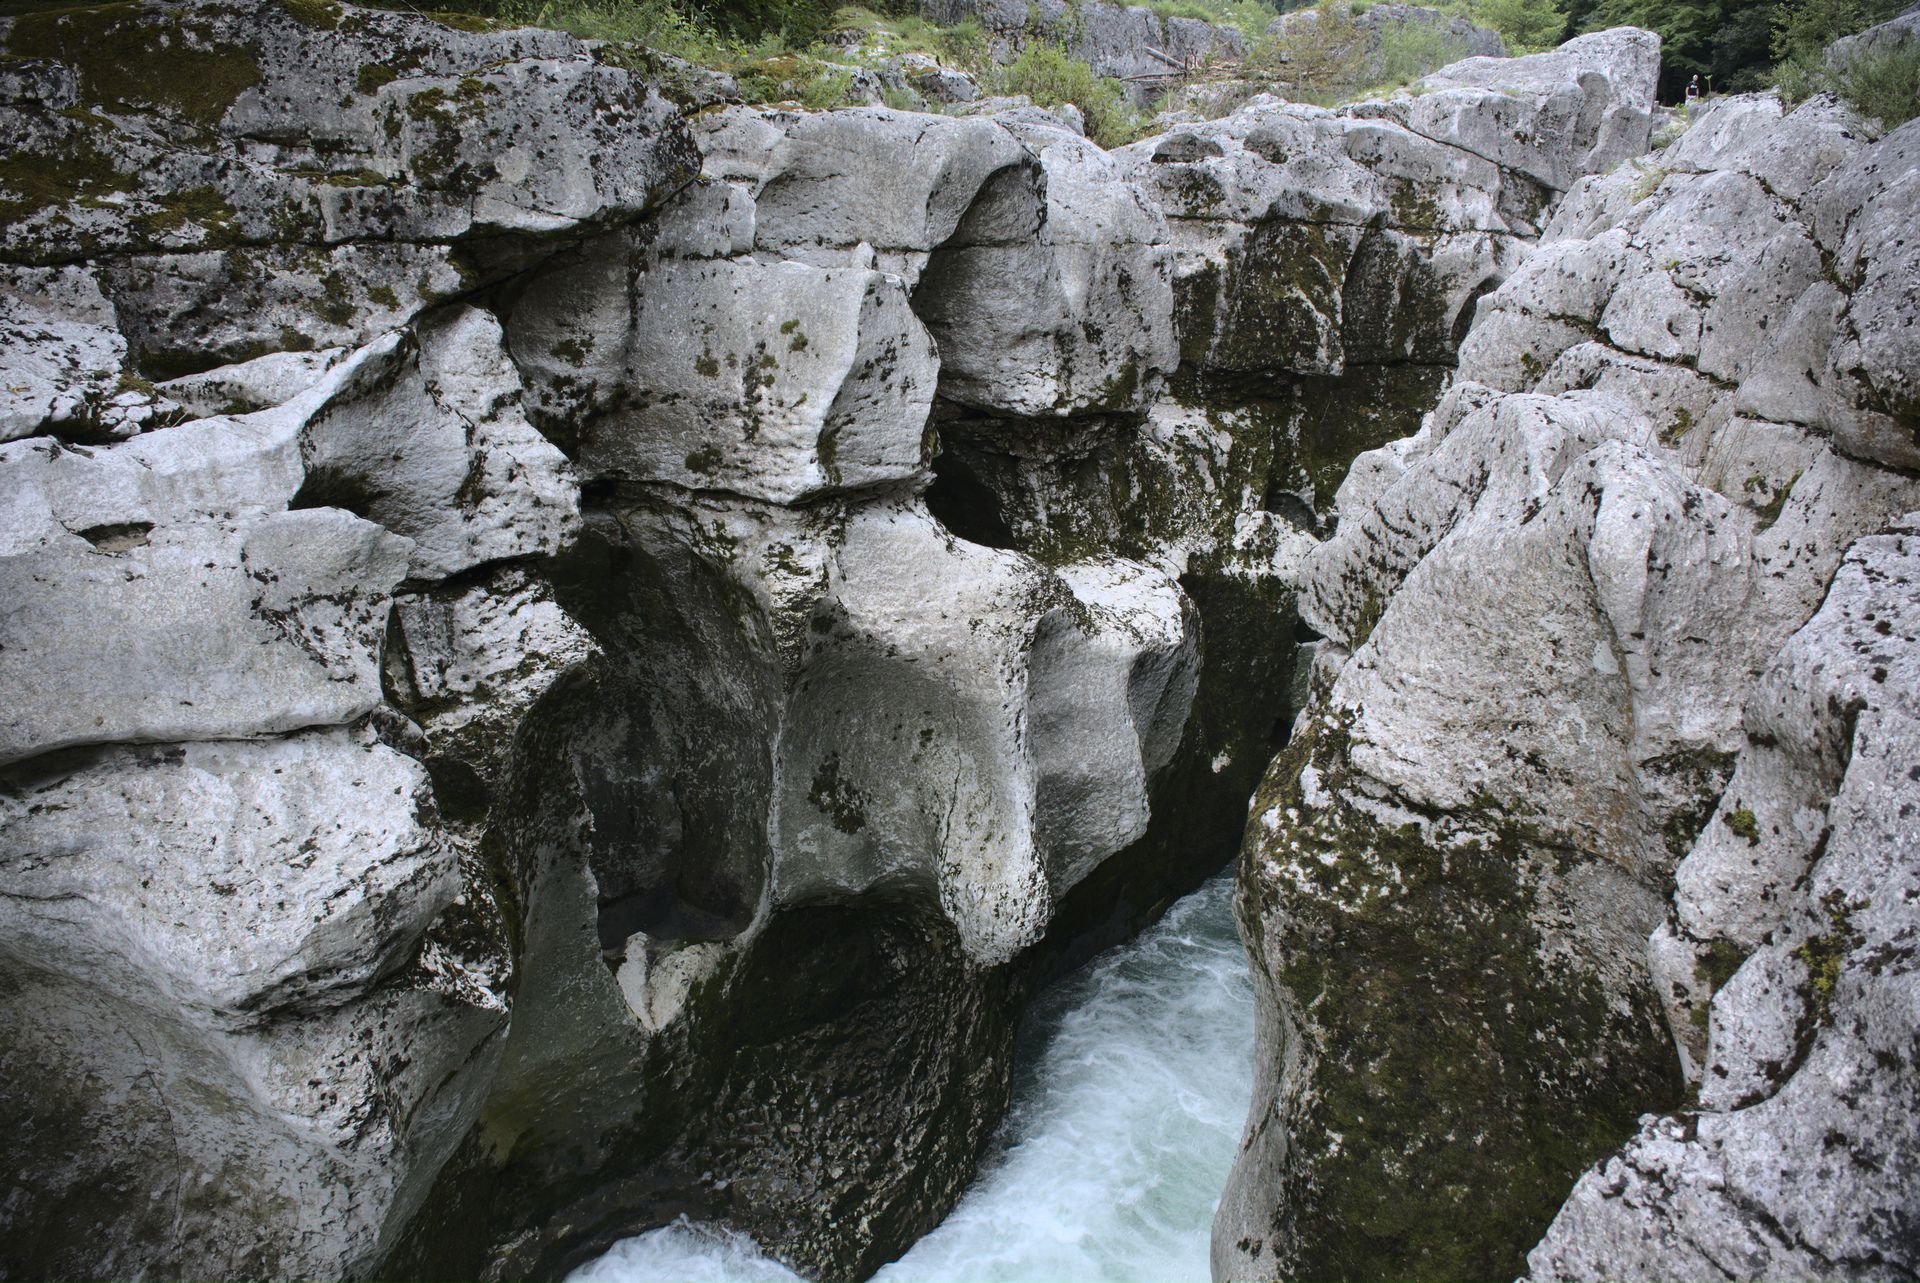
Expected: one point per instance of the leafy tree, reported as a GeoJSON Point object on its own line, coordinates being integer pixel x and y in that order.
{"type": "Point", "coordinates": [1686, 30]}
{"type": "Point", "coordinates": [1802, 29]}
{"type": "Point", "coordinates": [1740, 49]}
{"type": "Point", "coordinates": [1319, 57]}
{"type": "Point", "coordinates": [1526, 25]}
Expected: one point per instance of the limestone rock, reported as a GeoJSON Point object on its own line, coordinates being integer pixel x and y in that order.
{"type": "Point", "coordinates": [307, 859]}
{"type": "Point", "coordinates": [1582, 108]}
{"type": "Point", "coordinates": [1610, 576]}
{"type": "Point", "coordinates": [772, 380]}
{"type": "Point", "coordinates": [933, 82]}
{"type": "Point", "coordinates": [223, 924]}
{"type": "Point", "coordinates": [263, 178]}
{"type": "Point", "coordinates": [1801, 1156]}
{"type": "Point", "coordinates": [1296, 231]}
{"type": "Point", "coordinates": [200, 632]}
{"type": "Point", "coordinates": [823, 186]}
{"type": "Point", "coordinates": [471, 663]}
{"type": "Point", "coordinates": [64, 356]}
{"type": "Point", "coordinates": [427, 437]}
{"type": "Point", "coordinates": [259, 384]}
{"type": "Point", "coordinates": [923, 661]}
{"type": "Point", "coordinates": [1057, 300]}
{"type": "Point", "coordinates": [1862, 216]}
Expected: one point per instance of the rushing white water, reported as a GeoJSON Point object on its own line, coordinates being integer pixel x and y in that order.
{"type": "Point", "coordinates": [1133, 1082]}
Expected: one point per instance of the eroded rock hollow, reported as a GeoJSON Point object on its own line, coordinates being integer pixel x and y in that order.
{"type": "Point", "coordinates": [570, 660]}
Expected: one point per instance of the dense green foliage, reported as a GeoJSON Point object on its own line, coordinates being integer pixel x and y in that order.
{"type": "Point", "coordinates": [780, 51]}
{"type": "Point", "coordinates": [1735, 44]}
{"type": "Point", "coordinates": [1883, 85]}
{"type": "Point", "coordinates": [1526, 25]}
{"type": "Point", "coordinates": [1044, 73]}
{"type": "Point", "coordinates": [1252, 17]}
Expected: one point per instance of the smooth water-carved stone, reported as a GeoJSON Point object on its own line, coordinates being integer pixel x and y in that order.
{"type": "Point", "coordinates": [428, 438]}
{"type": "Point", "coordinates": [1582, 108]}
{"type": "Point", "coordinates": [63, 355]}
{"type": "Point", "coordinates": [1053, 296]}
{"type": "Point", "coordinates": [234, 879]}
{"type": "Point", "coordinates": [196, 632]}
{"type": "Point", "coordinates": [775, 381]}
{"type": "Point", "coordinates": [825, 185]}
{"type": "Point", "coordinates": [1032, 709]}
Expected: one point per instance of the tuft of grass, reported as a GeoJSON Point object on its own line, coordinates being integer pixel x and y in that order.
{"type": "Point", "coordinates": [1251, 16]}
{"type": "Point", "coordinates": [766, 77]}
{"type": "Point", "coordinates": [1409, 51]}
{"type": "Point", "coordinates": [1335, 58]}
{"type": "Point", "coordinates": [656, 24]}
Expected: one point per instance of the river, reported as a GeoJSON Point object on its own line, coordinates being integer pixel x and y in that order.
{"type": "Point", "coordinates": [1131, 1085]}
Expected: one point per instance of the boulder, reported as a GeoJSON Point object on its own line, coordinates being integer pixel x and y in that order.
{"type": "Point", "coordinates": [1054, 297]}
{"type": "Point", "coordinates": [213, 631]}
{"type": "Point", "coordinates": [774, 380]}
{"type": "Point", "coordinates": [1582, 108]}
{"type": "Point", "coordinates": [427, 437]}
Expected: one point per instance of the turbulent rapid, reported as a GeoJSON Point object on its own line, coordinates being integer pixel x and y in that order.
{"type": "Point", "coordinates": [1128, 1099]}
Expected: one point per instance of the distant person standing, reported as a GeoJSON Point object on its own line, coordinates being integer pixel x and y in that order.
{"type": "Point", "coordinates": [1693, 90]}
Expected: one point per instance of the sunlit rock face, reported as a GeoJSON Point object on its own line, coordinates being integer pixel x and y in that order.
{"type": "Point", "coordinates": [1569, 667]}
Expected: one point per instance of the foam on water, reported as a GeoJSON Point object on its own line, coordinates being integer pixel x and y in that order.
{"type": "Point", "coordinates": [1132, 1086]}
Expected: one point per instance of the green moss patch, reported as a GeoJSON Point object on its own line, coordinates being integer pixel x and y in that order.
{"type": "Point", "coordinates": [202, 207]}
{"type": "Point", "coordinates": [318, 14]}
{"type": "Point", "coordinates": [1824, 955]}
{"type": "Point", "coordinates": [1464, 1071]}
{"type": "Point", "coordinates": [132, 60]}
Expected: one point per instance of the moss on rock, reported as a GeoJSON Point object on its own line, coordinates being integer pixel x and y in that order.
{"type": "Point", "coordinates": [130, 58]}
{"type": "Point", "coordinates": [1460, 1069]}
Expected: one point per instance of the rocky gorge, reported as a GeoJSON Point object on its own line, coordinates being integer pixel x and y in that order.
{"type": "Point", "coordinates": [575, 652]}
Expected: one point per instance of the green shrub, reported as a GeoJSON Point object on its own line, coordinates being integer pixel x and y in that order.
{"type": "Point", "coordinates": [1526, 25]}
{"type": "Point", "coordinates": [1409, 51]}
{"type": "Point", "coordinates": [766, 77]}
{"type": "Point", "coordinates": [1320, 61]}
{"type": "Point", "coordinates": [1883, 84]}
{"type": "Point", "coordinates": [964, 45]}
{"type": "Point", "coordinates": [1802, 29]}
{"type": "Point", "coordinates": [657, 24]}
{"type": "Point", "coordinates": [827, 87]}
{"type": "Point", "coordinates": [1880, 84]}
{"type": "Point", "coordinates": [1045, 73]}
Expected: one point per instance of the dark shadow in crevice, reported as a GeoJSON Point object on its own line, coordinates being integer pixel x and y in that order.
{"type": "Point", "coordinates": [669, 752]}
{"type": "Point", "coordinates": [962, 502]}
